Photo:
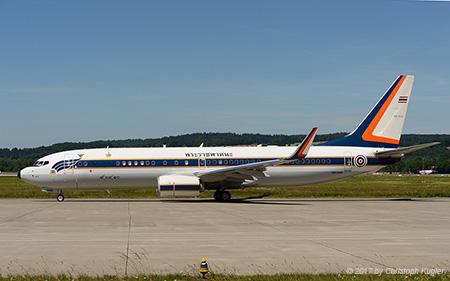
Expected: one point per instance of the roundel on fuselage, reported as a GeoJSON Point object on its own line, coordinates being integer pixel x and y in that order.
{"type": "Point", "coordinates": [360, 161]}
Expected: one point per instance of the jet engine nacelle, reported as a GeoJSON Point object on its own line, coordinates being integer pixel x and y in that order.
{"type": "Point", "coordinates": [178, 185]}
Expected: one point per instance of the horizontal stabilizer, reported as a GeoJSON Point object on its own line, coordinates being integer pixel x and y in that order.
{"type": "Point", "coordinates": [403, 150]}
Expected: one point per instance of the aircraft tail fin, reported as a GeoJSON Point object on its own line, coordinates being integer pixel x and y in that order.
{"type": "Point", "coordinates": [382, 127]}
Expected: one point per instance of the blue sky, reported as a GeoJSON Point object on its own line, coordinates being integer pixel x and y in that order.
{"type": "Point", "coordinates": [102, 70]}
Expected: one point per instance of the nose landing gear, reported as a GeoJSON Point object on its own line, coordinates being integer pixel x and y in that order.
{"type": "Point", "coordinates": [60, 197]}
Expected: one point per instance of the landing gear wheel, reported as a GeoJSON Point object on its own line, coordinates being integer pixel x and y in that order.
{"type": "Point", "coordinates": [60, 197]}
{"type": "Point", "coordinates": [225, 196]}
{"type": "Point", "coordinates": [217, 195]}
{"type": "Point", "coordinates": [221, 195]}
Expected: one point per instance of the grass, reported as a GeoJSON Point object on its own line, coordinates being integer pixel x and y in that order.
{"type": "Point", "coordinates": [277, 277]}
{"type": "Point", "coordinates": [361, 186]}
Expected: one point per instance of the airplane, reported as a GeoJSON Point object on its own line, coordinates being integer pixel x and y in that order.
{"type": "Point", "coordinates": [427, 172]}
{"type": "Point", "coordinates": [187, 171]}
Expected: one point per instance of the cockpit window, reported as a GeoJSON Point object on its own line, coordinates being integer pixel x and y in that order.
{"type": "Point", "coordinates": [40, 163]}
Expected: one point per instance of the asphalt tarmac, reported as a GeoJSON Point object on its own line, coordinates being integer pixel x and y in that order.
{"type": "Point", "coordinates": [252, 236]}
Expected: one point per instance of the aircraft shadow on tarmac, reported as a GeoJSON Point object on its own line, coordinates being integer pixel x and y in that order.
{"type": "Point", "coordinates": [285, 201]}
{"type": "Point", "coordinates": [248, 200]}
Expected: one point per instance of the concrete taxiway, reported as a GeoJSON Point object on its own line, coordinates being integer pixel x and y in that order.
{"type": "Point", "coordinates": [97, 237]}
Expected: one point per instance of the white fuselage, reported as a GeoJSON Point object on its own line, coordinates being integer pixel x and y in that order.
{"type": "Point", "coordinates": [132, 168]}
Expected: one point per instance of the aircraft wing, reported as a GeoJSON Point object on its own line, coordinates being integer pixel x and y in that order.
{"type": "Point", "coordinates": [403, 150]}
{"type": "Point", "coordinates": [251, 172]}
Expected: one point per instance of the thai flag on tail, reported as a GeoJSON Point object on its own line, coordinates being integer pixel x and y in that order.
{"type": "Point", "coordinates": [403, 99]}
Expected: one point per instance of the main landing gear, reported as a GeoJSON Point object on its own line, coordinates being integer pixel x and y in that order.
{"type": "Point", "coordinates": [222, 195]}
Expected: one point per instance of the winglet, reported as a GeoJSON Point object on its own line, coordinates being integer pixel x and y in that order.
{"type": "Point", "coordinates": [303, 149]}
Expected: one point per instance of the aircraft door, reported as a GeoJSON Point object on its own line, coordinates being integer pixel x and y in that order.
{"type": "Point", "coordinates": [348, 161]}
{"type": "Point", "coordinates": [68, 164]}
{"type": "Point", "coordinates": [202, 163]}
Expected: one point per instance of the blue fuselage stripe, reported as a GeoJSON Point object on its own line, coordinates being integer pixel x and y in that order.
{"type": "Point", "coordinates": [222, 162]}
{"type": "Point", "coordinates": [178, 187]}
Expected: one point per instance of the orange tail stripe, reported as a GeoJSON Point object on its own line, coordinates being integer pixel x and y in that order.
{"type": "Point", "coordinates": [368, 134]}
